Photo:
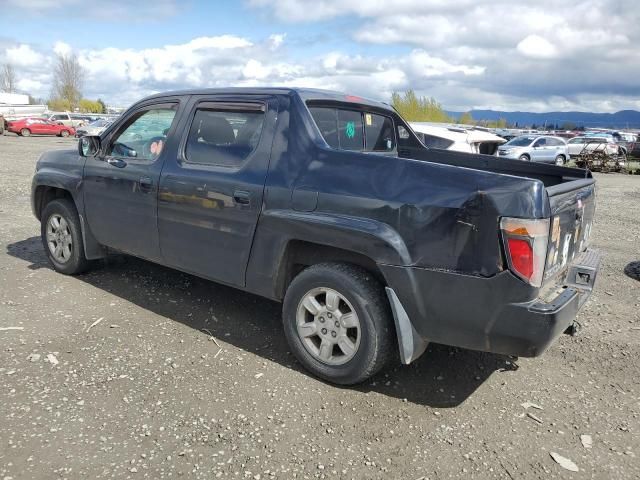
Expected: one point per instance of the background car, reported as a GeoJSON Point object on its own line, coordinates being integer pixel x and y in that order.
{"type": "Point", "coordinates": [590, 144]}
{"type": "Point", "coordinates": [458, 138]}
{"type": "Point", "coordinates": [39, 126]}
{"type": "Point", "coordinates": [536, 148]}
{"type": "Point", "coordinates": [64, 118]}
{"type": "Point", "coordinates": [93, 128]}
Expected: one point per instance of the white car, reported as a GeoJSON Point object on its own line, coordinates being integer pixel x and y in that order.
{"type": "Point", "coordinates": [592, 144]}
{"type": "Point", "coordinates": [459, 138]}
{"type": "Point", "coordinates": [64, 119]}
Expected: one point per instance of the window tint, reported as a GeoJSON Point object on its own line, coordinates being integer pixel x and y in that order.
{"type": "Point", "coordinates": [145, 134]}
{"type": "Point", "coordinates": [224, 138]}
{"type": "Point", "coordinates": [541, 142]}
{"type": "Point", "coordinates": [327, 121]}
{"type": "Point", "coordinates": [354, 130]}
{"type": "Point", "coordinates": [61, 117]}
{"type": "Point", "coordinates": [378, 133]}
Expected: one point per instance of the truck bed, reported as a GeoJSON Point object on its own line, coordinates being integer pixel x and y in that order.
{"type": "Point", "coordinates": [550, 175]}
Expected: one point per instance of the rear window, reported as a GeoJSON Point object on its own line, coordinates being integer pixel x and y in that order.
{"type": "Point", "coordinates": [432, 141]}
{"type": "Point", "coordinates": [354, 130]}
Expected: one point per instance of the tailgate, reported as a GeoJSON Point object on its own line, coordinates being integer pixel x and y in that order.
{"type": "Point", "coordinates": [572, 211]}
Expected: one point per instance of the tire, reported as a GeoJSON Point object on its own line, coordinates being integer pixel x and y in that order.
{"type": "Point", "coordinates": [25, 132]}
{"type": "Point", "coordinates": [64, 133]}
{"type": "Point", "coordinates": [524, 158]}
{"type": "Point", "coordinates": [560, 160]}
{"type": "Point", "coordinates": [372, 344]}
{"type": "Point", "coordinates": [69, 233]}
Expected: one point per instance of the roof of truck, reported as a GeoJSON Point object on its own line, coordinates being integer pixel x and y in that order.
{"type": "Point", "coordinates": [305, 93]}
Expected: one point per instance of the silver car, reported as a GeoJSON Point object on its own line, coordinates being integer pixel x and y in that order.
{"type": "Point", "coordinates": [536, 148]}
{"type": "Point", "coordinates": [94, 128]}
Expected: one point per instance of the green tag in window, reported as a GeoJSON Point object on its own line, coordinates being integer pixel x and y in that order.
{"type": "Point", "coordinates": [350, 129]}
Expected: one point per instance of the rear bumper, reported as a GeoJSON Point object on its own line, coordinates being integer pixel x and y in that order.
{"type": "Point", "coordinates": [500, 314]}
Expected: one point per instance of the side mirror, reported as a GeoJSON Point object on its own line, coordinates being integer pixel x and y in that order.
{"type": "Point", "coordinates": [89, 146]}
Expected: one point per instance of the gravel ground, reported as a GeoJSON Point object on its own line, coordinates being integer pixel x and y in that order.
{"type": "Point", "coordinates": [137, 371]}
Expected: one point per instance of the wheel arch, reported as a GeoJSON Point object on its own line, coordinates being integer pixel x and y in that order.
{"type": "Point", "coordinates": [45, 193]}
{"type": "Point", "coordinates": [301, 254]}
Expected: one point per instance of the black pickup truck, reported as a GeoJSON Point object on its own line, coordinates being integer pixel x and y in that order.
{"type": "Point", "coordinates": [375, 244]}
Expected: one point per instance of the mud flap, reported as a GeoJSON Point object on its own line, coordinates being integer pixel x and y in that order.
{"type": "Point", "coordinates": [411, 344]}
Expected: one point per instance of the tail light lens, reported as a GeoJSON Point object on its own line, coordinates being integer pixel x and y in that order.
{"type": "Point", "coordinates": [525, 242]}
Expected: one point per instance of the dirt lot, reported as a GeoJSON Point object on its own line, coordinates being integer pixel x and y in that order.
{"type": "Point", "coordinates": [147, 393]}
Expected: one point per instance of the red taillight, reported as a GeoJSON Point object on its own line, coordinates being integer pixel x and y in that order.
{"type": "Point", "coordinates": [525, 243]}
{"type": "Point", "coordinates": [521, 257]}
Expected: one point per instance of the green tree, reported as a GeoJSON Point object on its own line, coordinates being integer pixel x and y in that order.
{"type": "Point", "coordinates": [59, 105]}
{"type": "Point", "coordinates": [103, 106]}
{"type": "Point", "coordinates": [502, 123]}
{"type": "Point", "coordinates": [90, 106]}
{"type": "Point", "coordinates": [418, 109]}
{"type": "Point", "coordinates": [466, 119]}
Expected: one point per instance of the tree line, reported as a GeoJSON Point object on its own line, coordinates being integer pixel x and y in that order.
{"type": "Point", "coordinates": [426, 109]}
{"type": "Point", "coordinates": [66, 88]}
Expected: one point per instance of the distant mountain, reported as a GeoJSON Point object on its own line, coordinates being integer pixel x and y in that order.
{"type": "Point", "coordinates": [621, 119]}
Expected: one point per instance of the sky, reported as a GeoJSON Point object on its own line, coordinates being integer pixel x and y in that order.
{"type": "Point", "coordinates": [540, 55]}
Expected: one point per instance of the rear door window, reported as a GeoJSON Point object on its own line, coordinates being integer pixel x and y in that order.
{"type": "Point", "coordinates": [224, 135]}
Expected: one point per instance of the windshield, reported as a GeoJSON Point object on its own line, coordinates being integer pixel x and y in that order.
{"type": "Point", "coordinates": [521, 141]}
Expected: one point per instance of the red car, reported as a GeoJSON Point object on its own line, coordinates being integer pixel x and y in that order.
{"type": "Point", "coordinates": [39, 126]}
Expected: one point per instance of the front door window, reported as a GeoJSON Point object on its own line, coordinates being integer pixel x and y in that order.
{"type": "Point", "coordinates": [144, 135]}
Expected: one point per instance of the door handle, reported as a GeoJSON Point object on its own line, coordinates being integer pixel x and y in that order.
{"type": "Point", "coordinates": [242, 197]}
{"type": "Point", "coordinates": [116, 162]}
{"type": "Point", "coordinates": [145, 183]}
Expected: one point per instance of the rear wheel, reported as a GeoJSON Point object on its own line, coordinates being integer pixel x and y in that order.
{"type": "Point", "coordinates": [62, 237]}
{"type": "Point", "coordinates": [25, 132]}
{"type": "Point", "coordinates": [338, 323]}
{"type": "Point", "coordinates": [560, 160]}
{"type": "Point", "coordinates": [64, 133]}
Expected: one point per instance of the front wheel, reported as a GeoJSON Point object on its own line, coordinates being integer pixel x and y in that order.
{"type": "Point", "coordinates": [560, 160]}
{"type": "Point", "coordinates": [338, 323]}
{"type": "Point", "coordinates": [524, 158]}
{"type": "Point", "coordinates": [62, 237]}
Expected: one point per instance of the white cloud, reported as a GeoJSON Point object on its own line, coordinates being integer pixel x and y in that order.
{"type": "Point", "coordinates": [23, 56]}
{"type": "Point", "coordinates": [534, 46]}
{"type": "Point", "coordinates": [61, 48]}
